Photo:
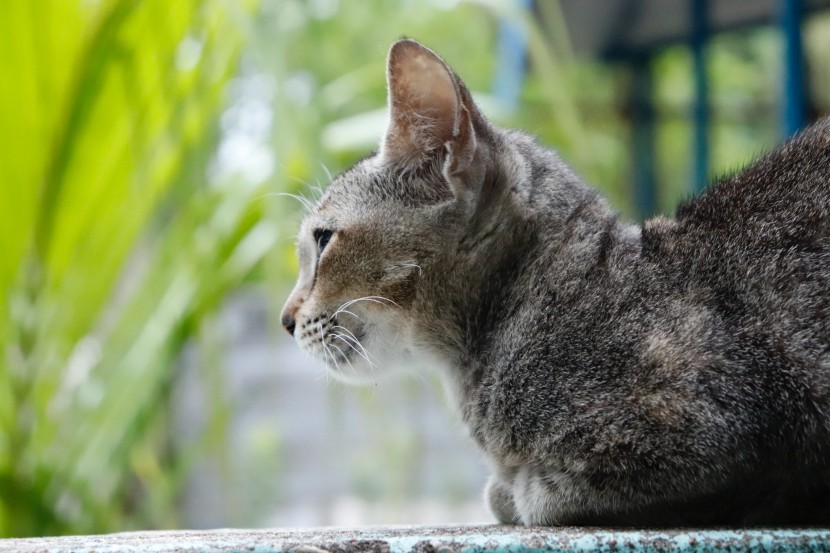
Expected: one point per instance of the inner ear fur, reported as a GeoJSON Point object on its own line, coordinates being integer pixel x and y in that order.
{"type": "Point", "coordinates": [427, 111]}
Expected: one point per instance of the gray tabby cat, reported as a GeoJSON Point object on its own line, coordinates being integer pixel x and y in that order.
{"type": "Point", "coordinates": [673, 374]}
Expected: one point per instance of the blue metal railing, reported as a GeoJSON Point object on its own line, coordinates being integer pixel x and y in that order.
{"type": "Point", "coordinates": [793, 93]}
{"type": "Point", "coordinates": [700, 112]}
{"type": "Point", "coordinates": [510, 73]}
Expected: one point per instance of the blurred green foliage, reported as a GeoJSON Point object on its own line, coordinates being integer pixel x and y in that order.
{"type": "Point", "coordinates": [116, 246]}
{"type": "Point", "coordinates": [108, 109]}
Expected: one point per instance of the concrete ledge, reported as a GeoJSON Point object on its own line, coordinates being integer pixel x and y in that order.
{"type": "Point", "coordinates": [464, 539]}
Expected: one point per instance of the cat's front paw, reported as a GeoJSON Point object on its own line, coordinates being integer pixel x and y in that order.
{"type": "Point", "coordinates": [500, 500]}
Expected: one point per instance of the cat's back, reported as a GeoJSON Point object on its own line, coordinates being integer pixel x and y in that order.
{"type": "Point", "coordinates": [780, 201]}
{"type": "Point", "coordinates": [756, 246]}
{"type": "Point", "coordinates": [765, 228]}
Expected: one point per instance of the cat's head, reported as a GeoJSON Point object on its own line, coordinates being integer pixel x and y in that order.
{"type": "Point", "coordinates": [366, 245]}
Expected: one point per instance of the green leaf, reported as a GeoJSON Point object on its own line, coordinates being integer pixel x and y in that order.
{"type": "Point", "coordinates": [111, 105]}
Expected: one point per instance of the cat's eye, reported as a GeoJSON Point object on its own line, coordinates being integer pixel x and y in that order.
{"type": "Point", "coordinates": [322, 237]}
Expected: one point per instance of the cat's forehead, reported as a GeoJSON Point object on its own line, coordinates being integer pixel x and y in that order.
{"type": "Point", "coordinates": [362, 184]}
{"type": "Point", "coordinates": [349, 196]}
{"type": "Point", "coordinates": [372, 183]}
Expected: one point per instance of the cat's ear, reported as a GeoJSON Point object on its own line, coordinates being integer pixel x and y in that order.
{"type": "Point", "coordinates": [430, 111]}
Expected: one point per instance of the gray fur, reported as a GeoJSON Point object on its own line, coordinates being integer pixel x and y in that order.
{"type": "Point", "coordinates": [677, 373]}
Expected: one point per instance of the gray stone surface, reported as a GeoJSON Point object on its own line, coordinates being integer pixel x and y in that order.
{"type": "Point", "coordinates": [459, 539]}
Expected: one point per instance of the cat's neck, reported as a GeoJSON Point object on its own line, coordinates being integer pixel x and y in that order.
{"type": "Point", "coordinates": [543, 235]}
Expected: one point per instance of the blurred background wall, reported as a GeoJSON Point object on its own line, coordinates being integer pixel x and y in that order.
{"type": "Point", "coordinates": [146, 244]}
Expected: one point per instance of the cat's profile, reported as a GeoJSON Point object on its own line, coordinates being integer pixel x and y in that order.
{"type": "Point", "coordinates": [675, 373]}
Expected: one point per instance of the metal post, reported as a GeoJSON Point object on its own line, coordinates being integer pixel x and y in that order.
{"type": "Point", "coordinates": [793, 93]}
{"type": "Point", "coordinates": [700, 114]}
{"type": "Point", "coordinates": [645, 191]}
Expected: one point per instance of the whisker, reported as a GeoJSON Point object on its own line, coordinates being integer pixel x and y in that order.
{"type": "Point", "coordinates": [315, 188]}
{"type": "Point", "coordinates": [373, 299]}
{"type": "Point", "coordinates": [328, 173]}
{"type": "Point", "coordinates": [333, 358]}
{"type": "Point", "coordinates": [413, 265]}
{"type": "Point", "coordinates": [326, 347]}
{"type": "Point", "coordinates": [346, 357]}
{"type": "Point", "coordinates": [346, 311]}
{"type": "Point", "coordinates": [352, 337]}
{"type": "Point", "coordinates": [342, 338]}
{"type": "Point", "coordinates": [324, 374]}
{"type": "Point", "coordinates": [306, 203]}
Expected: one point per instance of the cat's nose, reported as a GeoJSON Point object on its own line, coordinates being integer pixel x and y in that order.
{"type": "Point", "coordinates": [288, 317]}
{"type": "Point", "coordinates": [289, 323]}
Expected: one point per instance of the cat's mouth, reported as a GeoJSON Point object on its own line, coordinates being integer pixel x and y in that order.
{"type": "Point", "coordinates": [339, 346]}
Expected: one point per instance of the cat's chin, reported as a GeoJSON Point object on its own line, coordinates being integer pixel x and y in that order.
{"type": "Point", "coordinates": [356, 379]}
{"type": "Point", "coordinates": [358, 367]}
{"type": "Point", "coordinates": [342, 364]}
{"type": "Point", "coordinates": [355, 372]}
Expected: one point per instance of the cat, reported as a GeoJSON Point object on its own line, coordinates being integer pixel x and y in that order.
{"type": "Point", "coordinates": [676, 373]}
